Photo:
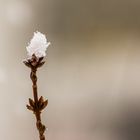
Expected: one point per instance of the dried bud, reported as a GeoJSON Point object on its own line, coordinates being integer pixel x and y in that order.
{"type": "Point", "coordinates": [30, 107]}
{"type": "Point", "coordinates": [45, 103]}
{"type": "Point", "coordinates": [31, 102]}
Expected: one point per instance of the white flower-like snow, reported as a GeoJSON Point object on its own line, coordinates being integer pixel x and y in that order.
{"type": "Point", "coordinates": [38, 45]}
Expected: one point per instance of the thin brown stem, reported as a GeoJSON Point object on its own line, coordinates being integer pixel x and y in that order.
{"type": "Point", "coordinates": [37, 111]}
{"type": "Point", "coordinates": [38, 104]}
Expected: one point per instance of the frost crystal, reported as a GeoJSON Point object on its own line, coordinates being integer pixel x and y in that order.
{"type": "Point", "coordinates": [38, 45]}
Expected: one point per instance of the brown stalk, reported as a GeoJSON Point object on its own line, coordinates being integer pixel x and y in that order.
{"type": "Point", "coordinates": [38, 104]}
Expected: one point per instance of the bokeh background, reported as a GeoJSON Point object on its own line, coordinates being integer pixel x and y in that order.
{"type": "Point", "coordinates": [92, 71]}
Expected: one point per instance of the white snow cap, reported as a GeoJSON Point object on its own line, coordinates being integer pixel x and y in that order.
{"type": "Point", "coordinates": [38, 45]}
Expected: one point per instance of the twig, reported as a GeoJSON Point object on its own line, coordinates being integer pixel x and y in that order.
{"type": "Point", "coordinates": [36, 105]}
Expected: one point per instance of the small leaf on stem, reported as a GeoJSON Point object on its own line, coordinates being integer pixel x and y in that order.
{"type": "Point", "coordinates": [27, 64]}
{"type": "Point", "coordinates": [30, 107]}
{"type": "Point", "coordinates": [45, 103]}
{"type": "Point", "coordinates": [32, 103]}
{"type": "Point", "coordinates": [40, 64]}
{"type": "Point", "coordinates": [41, 100]}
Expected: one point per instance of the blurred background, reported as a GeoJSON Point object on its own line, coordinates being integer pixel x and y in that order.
{"type": "Point", "coordinates": [92, 72]}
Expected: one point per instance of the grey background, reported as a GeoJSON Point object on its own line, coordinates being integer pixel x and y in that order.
{"type": "Point", "coordinates": [92, 71]}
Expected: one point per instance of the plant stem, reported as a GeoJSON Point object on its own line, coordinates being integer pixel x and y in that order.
{"type": "Point", "coordinates": [37, 111]}
{"type": "Point", "coordinates": [38, 104]}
